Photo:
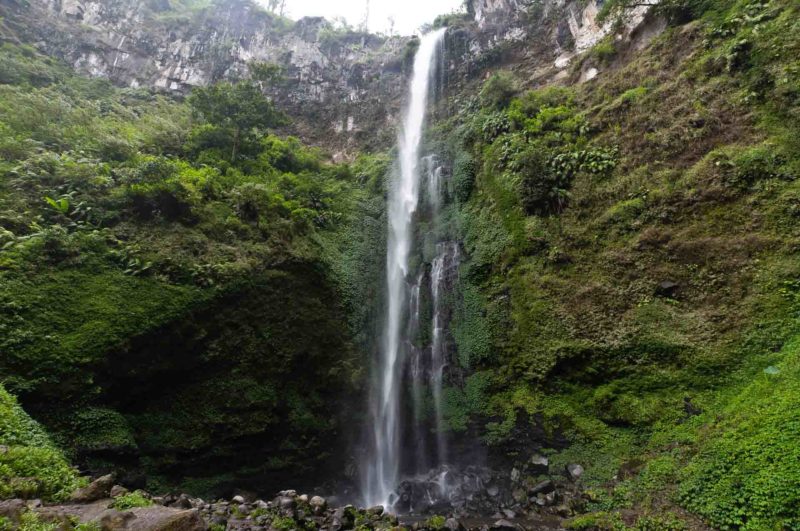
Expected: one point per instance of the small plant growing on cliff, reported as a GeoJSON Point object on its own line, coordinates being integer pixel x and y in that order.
{"type": "Point", "coordinates": [498, 90]}
{"type": "Point", "coordinates": [131, 500]}
{"type": "Point", "coordinates": [436, 522]}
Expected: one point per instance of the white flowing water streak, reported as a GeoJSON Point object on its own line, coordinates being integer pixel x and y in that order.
{"type": "Point", "coordinates": [443, 266]}
{"type": "Point", "coordinates": [384, 470]}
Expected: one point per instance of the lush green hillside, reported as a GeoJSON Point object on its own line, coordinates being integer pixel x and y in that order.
{"type": "Point", "coordinates": [190, 299]}
{"type": "Point", "coordinates": [632, 283]}
{"type": "Point", "coordinates": [181, 291]}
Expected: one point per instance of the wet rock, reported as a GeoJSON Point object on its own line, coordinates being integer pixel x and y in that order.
{"type": "Point", "coordinates": [118, 490]}
{"type": "Point", "coordinates": [539, 464]}
{"type": "Point", "coordinates": [453, 525]}
{"type": "Point", "coordinates": [667, 288]}
{"type": "Point", "coordinates": [286, 502]}
{"type": "Point", "coordinates": [303, 498]}
{"type": "Point", "coordinates": [183, 502]}
{"type": "Point", "coordinates": [318, 505]}
{"type": "Point", "coordinates": [96, 490]}
{"type": "Point", "coordinates": [515, 474]}
{"type": "Point", "coordinates": [504, 525]}
{"type": "Point", "coordinates": [563, 511]}
{"type": "Point", "coordinates": [238, 500]}
{"type": "Point", "coordinates": [543, 486]}
{"type": "Point", "coordinates": [493, 491]}
{"type": "Point", "coordinates": [574, 471]}
{"type": "Point", "coordinates": [546, 500]}
{"type": "Point", "coordinates": [376, 510]}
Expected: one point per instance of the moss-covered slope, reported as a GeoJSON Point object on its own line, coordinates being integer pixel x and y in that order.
{"type": "Point", "coordinates": [633, 268]}
{"type": "Point", "coordinates": [181, 292]}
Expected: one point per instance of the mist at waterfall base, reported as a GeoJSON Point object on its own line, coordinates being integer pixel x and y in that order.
{"type": "Point", "coordinates": [407, 465]}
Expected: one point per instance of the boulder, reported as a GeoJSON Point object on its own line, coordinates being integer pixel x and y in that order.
{"type": "Point", "coordinates": [96, 490]}
{"type": "Point", "coordinates": [539, 464]}
{"type": "Point", "coordinates": [574, 471]}
{"type": "Point", "coordinates": [157, 518]}
{"type": "Point", "coordinates": [318, 505]}
{"type": "Point", "coordinates": [543, 487]}
{"type": "Point", "coordinates": [152, 518]}
{"type": "Point", "coordinates": [452, 524]}
{"type": "Point", "coordinates": [376, 510]}
{"type": "Point", "coordinates": [12, 510]}
{"type": "Point", "coordinates": [667, 288]}
{"type": "Point", "coordinates": [238, 500]}
{"type": "Point", "coordinates": [183, 502]}
{"type": "Point", "coordinates": [118, 490]}
{"type": "Point", "coordinates": [113, 520]}
{"type": "Point", "coordinates": [504, 525]}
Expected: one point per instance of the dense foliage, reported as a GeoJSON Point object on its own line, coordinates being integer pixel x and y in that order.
{"type": "Point", "coordinates": [631, 281]}
{"type": "Point", "coordinates": [30, 465]}
{"type": "Point", "coordinates": [182, 250]}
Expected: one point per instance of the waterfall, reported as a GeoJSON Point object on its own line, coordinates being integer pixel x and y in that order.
{"type": "Point", "coordinates": [383, 470]}
{"type": "Point", "coordinates": [444, 266]}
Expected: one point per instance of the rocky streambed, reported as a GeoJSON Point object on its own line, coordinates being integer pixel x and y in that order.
{"type": "Point", "coordinates": [530, 496]}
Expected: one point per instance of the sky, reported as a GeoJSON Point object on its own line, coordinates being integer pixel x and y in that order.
{"type": "Point", "coordinates": [409, 15]}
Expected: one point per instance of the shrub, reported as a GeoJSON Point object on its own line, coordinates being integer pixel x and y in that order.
{"type": "Point", "coordinates": [463, 177]}
{"type": "Point", "coordinates": [30, 466]}
{"type": "Point", "coordinates": [498, 90]}
{"type": "Point", "coordinates": [131, 500]}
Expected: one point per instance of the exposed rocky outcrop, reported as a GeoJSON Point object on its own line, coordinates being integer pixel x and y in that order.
{"type": "Point", "coordinates": [343, 90]}
{"type": "Point", "coordinates": [337, 84]}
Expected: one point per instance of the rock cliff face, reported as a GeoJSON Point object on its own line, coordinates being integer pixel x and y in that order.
{"type": "Point", "coordinates": [337, 84]}
{"type": "Point", "coordinates": [549, 34]}
{"type": "Point", "coordinates": [343, 89]}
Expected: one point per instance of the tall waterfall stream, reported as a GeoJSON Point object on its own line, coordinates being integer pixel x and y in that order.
{"type": "Point", "coordinates": [408, 379]}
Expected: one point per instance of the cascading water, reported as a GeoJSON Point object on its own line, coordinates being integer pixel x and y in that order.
{"type": "Point", "coordinates": [443, 267]}
{"type": "Point", "coordinates": [383, 471]}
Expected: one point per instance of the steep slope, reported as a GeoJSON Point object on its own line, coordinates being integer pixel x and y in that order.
{"type": "Point", "coordinates": [169, 309]}
{"type": "Point", "coordinates": [341, 86]}
{"type": "Point", "coordinates": [631, 271]}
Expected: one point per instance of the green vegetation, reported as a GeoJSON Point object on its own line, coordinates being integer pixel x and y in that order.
{"type": "Point", "coordinates": [131, 500]}
{"type": "Point", "coordinates": [30, 465]}
{"type": "Point", "coordinates": [130, 222]}
{"type": "Point", "coordinates": [631, 281]}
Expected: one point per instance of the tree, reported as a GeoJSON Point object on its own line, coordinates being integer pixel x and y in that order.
{"type": "Point", "coordinates": [238, 110]}
{"type": "Point", "coordinates": [277, 6]}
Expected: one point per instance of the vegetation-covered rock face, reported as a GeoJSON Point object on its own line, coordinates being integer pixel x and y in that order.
{"type": "Point", "coordinates": [191, 300]}
{"type": "Point", "coordinates": [182, 293]}
{"type": "Point", "coordinates": [341, 85]}
{"type": "Point", "coordinates": [632, 268]}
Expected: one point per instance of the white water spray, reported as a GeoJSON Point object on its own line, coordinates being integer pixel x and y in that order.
{"type": "Point", "coordinates": [383, 472]}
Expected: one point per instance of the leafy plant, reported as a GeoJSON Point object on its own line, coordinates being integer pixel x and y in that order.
{"type": "Point", "coordinates": [131, 500]}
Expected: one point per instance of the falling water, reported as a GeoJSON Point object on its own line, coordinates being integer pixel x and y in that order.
{"type": "Point", "coordinates": [445, 263]}
{"type": "Point", "coordinates": [383, 471]}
